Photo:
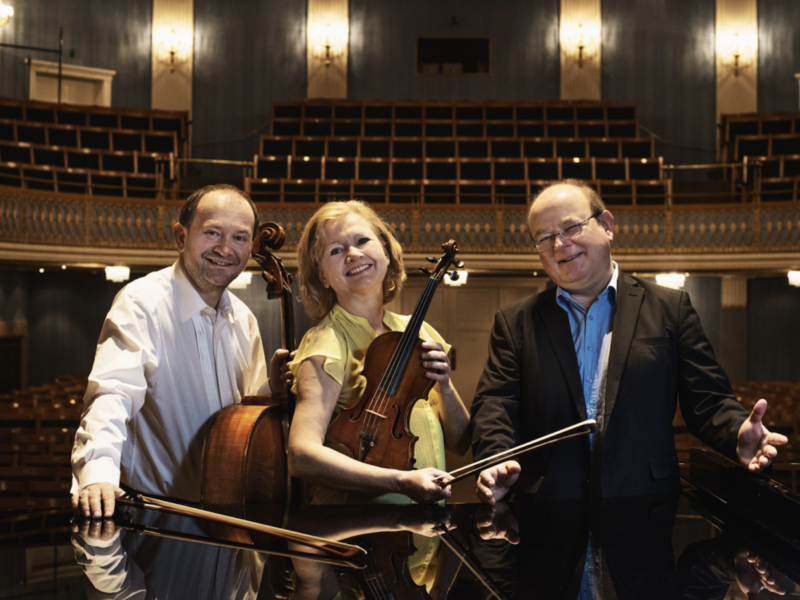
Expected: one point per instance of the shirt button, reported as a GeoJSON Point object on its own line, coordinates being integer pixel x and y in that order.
{"type": "Point", "coordinates": [591, 318]}
{"type": "Point", "coordinates": [590, 347]}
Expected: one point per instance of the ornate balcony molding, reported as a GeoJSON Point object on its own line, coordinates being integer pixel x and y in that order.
{"type": "Point", "coordinates": [41, 228]}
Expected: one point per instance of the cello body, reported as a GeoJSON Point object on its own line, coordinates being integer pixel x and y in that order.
{"type": "Point", "coordinates": [244, 457]}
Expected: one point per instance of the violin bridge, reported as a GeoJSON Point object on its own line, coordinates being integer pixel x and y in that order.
{"type": "Point", "coordinates": [372, 412]}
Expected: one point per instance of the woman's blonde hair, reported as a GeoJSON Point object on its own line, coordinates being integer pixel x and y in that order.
{"type": "Point", "coordinates": [319, 300]}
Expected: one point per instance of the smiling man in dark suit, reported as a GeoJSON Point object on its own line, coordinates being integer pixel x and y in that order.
{"type": "Point", "coordinates": [602, 345]}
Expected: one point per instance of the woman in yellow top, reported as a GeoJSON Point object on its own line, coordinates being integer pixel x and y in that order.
{"type": "Point", "coordinates": [350, 267]}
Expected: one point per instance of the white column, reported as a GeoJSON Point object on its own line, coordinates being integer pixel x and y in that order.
{"type": "Point", "coordinates": [172, 54]}
{"type": "Point", "coordinates": [580, 32]}
{"type": "Point", "coordinates": [327, 33]}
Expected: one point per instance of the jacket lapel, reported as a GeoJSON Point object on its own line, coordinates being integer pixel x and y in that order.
{"type": "Point", "coordinates": [556, 323]}
{"type": "Point", "coordinates": [629, 301]}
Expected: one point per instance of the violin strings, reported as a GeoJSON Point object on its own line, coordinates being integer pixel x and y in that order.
{"type": "Point", "coordinates": [394, 370]}
{"type": "Point", "coordinates": [399, 359]}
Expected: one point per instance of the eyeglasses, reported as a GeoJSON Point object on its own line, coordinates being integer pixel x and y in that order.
{"type": "Point", "coordinates": [544, 243]}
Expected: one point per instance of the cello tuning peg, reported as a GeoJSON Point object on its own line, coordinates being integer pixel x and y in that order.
{"type": "Point", "coordinates": [431, 259]}
{"type": "Point", "coordinates": [459, 264]}
{"type": "Point", "coordinates": [453, 275]}
{"type": "Point", "coordinates": [426, 271]}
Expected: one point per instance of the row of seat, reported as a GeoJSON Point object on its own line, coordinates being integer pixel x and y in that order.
{"type": "Point", "coordinates": [754, 124]}
{"type": "Point", "coordinates": [766, 145]}
{"type": "Point", "coordinates": [79, 181]}
{"type": "Point", "coordinates": [65, 136]}
{"type": "Point", "coordinates": [33, 111]}
{"type": "Point", "coordinates": [630, 193]}
{"type": "Point", "coordinates": [387, 147]}
{"type": "Point", "coordinates": [780, 189]}
{"type": "Point", "coordinates": [448, 129]}
{"type": "Point", "coordinates": [773, 166]}
{"type": "Point", "coordinates": [462, 169]}
{"type": "Point", "coordinates": [95, 160]}
{"type": "Point", "coordinates": [457, 110]}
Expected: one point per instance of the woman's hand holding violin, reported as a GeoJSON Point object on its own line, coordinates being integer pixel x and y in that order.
{"type": "Point", "coordinates": [420, 487]}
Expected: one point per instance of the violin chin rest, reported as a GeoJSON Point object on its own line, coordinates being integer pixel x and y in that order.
{"type": "Point", "coordinates": [341, 449]}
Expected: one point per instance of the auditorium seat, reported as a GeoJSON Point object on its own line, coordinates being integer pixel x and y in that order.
{"type": "Point", "coordinates": [37, 139]}
{"type": "Point", "coordinates": [433, 151]}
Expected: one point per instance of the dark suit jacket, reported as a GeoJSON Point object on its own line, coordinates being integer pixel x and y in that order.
{"type": "Point", "coordinates": [531, 386]}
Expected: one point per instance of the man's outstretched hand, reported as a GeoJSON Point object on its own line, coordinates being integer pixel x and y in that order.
{"type": "Point", "coordinates": [756, 444]}
{"type": "Point", "coordinates": [494, 482]}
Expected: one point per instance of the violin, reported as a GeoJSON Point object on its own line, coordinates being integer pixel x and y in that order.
{"type": "Point", "coordinates": [376, 430]}
{"type": "Point", "coordinates": [386, 575]}
{"type": "Point", "coordinates": [244, 457]}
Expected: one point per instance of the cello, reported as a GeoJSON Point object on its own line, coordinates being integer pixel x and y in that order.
{"type": "Point", "coordinates": [244, 457]}
{"type": "Point", "coordinates": [376, 429]}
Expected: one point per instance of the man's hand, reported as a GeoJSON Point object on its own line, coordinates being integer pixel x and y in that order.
{"type": "Point", "coordinates": [280, 376]}
{"type": "Point", "coordinates": [756, 444]}
{"type": "Point", "coordinates": [494, 482]}
{"type": "Point", "coordinates": [102, 530]}
{"type": "Point", "coordinates": [497, 522]}
{"type": "Point", "coordinates": [753, 575]}
{"type": "Point", "coordinates": [97, 500]}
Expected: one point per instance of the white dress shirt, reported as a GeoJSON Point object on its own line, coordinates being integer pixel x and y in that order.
{"type": "Point", "coordinates": [165, 363]}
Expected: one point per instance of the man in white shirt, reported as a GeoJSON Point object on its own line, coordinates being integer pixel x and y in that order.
{"type": "Point", "coordinates": [175, 348]}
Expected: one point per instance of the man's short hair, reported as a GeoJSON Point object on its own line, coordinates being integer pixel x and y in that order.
{"type": "Point", "coordinates": [189, 207]}
{"type": "Point", "coordinates": [596, 204]}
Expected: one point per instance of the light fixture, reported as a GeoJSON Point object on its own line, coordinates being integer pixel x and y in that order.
{"type": "Point", "coordinates": [794, 278]}
{"type": "Point", "coordinates": [173, 44]}
{"type": "Point", "coordinates": [242, 281]}
{"type": "Point", "coordinates": [671, 280]}
{"type": "Point", "coordinates": [581, 39]}
{"type": "Point", "coordinates": [329, 41]}
{"type": "Point", "coordinates": [459, 281]}
{"type": "Point", "coordinates": [118, 274]}
{"type": "Point", "coordinates": [740, 50]}
{"type": "Point", "coordinates": [6, 12]}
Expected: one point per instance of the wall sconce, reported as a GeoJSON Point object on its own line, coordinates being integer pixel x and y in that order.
{"type": "Point", "coordinates": [329, 42]}
{"type": "Point", "coordinates": [6, 12]}
{"type": "Point", "coordinates": [242, 281]}
{"type": "Point", "coordinates": [739, 50]}
{"type": "Point", "coordinates": [173, 44]}
{"type": "Point", "coordinates": [118, 274]}
{"type": "Point", "coordinates": [794, 278]}
{"type": "Point", "coordinates": [671, 280]}
{"type": "Point", "coordinates": [581, 40]}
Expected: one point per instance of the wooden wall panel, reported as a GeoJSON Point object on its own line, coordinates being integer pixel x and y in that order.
{"type": "Point", "coordinates": [524, 48]}
{"type": "Point", "coordinates": [580, 25]}
{"type": "Point", "coordinates": [327, 46]}
{"type": "Point", "coordinates": [778, 55]}
{"type": "Point", "coordinates": [244, 60]}
{"type": "Point", "coordinates": [173, 28]}
{"type": "Point", "coordinates": [772, 330]}
{"type": "Point", "coordinates": [660, 55]}
{"type": "Point", "coordinates": [736, 32]}
{"type": "Point", "coordinates": [102, 34]}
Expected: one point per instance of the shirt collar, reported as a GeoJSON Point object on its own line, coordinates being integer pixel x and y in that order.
{"type": "Point", "coordinates": [563, 296]}
{"type": "Point", "coordinates": [189, 302]}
